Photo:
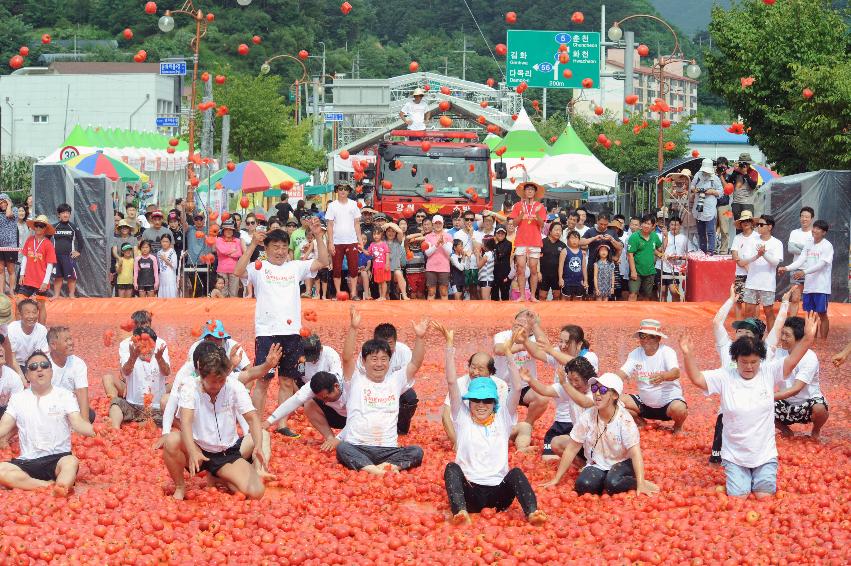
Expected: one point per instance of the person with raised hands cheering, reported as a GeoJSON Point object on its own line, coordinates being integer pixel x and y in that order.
{"type": "Point", "coordinates": [609, 439]}
{"type": "Point", "coordinates": [479, 477]}
{"type": "Point", "coordinates": [749, 449]}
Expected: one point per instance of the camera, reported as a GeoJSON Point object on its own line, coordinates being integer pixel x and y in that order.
{"type": "Point", "coordinates": [700, 199]}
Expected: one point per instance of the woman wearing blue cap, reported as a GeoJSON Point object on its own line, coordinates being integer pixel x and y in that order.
{"type": "Point", "coordinates": [479, 477]}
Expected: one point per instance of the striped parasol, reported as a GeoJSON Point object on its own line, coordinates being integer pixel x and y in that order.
{"type": "Point", "coordinates": [99, 164]}
{"type": "Point", "coordinates": [256, 176]}
{"type": "Point", "coordinates": [765, 174]}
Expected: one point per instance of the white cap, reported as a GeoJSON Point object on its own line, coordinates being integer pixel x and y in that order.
{"type": "Point", "coordinates": [707, 166]}
{"type": "Point", "coordinates": [610, 381]}
{"type": "Point", "coordinates": [437, 218]}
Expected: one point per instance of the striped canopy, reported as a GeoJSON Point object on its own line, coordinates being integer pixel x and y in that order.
{"type": "Point", "coordinates": [99, 164]}
{"type": "Point", "coordinates": [256, 176]}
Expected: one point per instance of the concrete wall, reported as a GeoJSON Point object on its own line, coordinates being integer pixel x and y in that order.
{"type": "Point", "coordinates": [107, 101]}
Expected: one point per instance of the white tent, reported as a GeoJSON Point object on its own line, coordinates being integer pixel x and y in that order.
{"type": "Point", "coordinates": [571, 161]}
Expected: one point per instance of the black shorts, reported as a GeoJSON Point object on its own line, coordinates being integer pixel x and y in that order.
{"type": "Point", "coordinates": [335, 419]}
{"type": "Point", "coordinates": [653, 413]}
{"type": "Point", "coordinates": [65, 267]}
{"type": "Point", "coordinates": [485, 284]}
{"type": "Point", "coordinates": [217, 460]}
{"type": "Point", "coordinates": [146, 287]}
{"type": "Point", "coordinates": [523, 394]}
{"type": "Point", "coordinates": [11, 258]}
{"type": "Point", "coordinates": [549, 282]}
{"type": "Point", "coordinates": [28, 291]}
{"type": "Point", "coordinates": [292, 360]}
{"type": "Point", "coordinates": [43, 468]}
{"type": "Point", "coordinates": [573, 291]}
{"type": "Point", "coordinates": [125, 286]}
{"type": "Point", "coordinates": [557, 429]}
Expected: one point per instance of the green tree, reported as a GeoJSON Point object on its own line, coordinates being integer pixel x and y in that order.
{"type": "Point", "coordinates": [295, 149]}
{"type": "Point", "coordinates": [783, 47]}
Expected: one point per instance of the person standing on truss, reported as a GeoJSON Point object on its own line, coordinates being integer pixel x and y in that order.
{"type": "Point", "coordinates": [415, 111]}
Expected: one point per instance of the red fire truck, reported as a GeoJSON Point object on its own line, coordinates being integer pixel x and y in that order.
{"type": "Point", "coordinates": [440, 171]}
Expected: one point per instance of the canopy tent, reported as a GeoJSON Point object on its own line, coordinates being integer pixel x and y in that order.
{"type": "Point", "coordinates": [524, 149]}
{"type": "Point", "coordinates": [570, 161]}
{"type": "Point", "coordinates": [145, 151]}
{"type": "Point", "coordinates": [492, 141]}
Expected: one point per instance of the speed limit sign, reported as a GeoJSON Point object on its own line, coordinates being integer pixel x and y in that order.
{"type": "Point", "coordinates": [68, 152]}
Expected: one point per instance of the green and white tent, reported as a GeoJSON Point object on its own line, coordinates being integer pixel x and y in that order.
{"type": "Point", "coordinates": [570, 161]}
{"type": "Point", "coordinates": [492, 141]}
{"type": "Point", "coordinates": [525, 149]}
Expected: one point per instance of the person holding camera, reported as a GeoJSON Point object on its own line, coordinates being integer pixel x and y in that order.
{"type": "Point", "coordinates": [744, 179]}
{"type": "Point", "coordinates": [707, 188]}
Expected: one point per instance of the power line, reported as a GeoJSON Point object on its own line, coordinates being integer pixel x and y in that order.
{"type": "Point", "coordinates": [487, 44]}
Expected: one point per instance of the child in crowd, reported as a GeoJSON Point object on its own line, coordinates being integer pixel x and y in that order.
{"type": "Point", "coordinates": [604, 274]}
{"type": "Point", "coordinates": [456, 270]}
{"type": "Point", "coordinates": [364, 269]}
{"type": "Point", "coordinates": [124, 267]}
{"type": "Point", "coordinates": [308, 253]}
{"type": "Point", "coordinates": [515, 287]}
{"type": "Point", "coordinates": [485, 267]}
{"type": "Point", "coordinates": [218, 291]}
{"type": "Point", "coordinates": [575, 274]}
{"type": "Point", "coordinates": [146, 271]}
{"type": "Point", "coordinates": [379, 252]}
{"type": "Point", "coordinates": [167, 258]}
{"type": "Point", "coordinates": [396, 242]}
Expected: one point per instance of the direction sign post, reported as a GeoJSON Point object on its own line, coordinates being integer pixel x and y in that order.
{"type": "Point", "coordinates": [168, 121]}
{"type": "Point", "coordinates": [333, 116]}
{"type": "Point", "coordinates": [535, 57]}
{"type": "Point", "coordinates": [173, 68]}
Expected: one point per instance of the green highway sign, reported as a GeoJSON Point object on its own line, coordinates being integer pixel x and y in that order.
{"type": "Point", "coordinates": [538, 58]}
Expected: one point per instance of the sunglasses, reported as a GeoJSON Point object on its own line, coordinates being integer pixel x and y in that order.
{"type": "Point", "coordinates": [601, 389]}
{"type": "Point", "coordinates": [762, 223]}
{"type": "Point", "coordinates": [483, 401]}
{"type": "Point", "coordinates": [40, 225]}
{"type": "Point", "coordinates": [250, 223]}
{"type": "Point", "coordinates": [469, 219]}
{"type": "Point", "coordinates": [35, 365]}
{"type": "Point", "coordinates": [643, 335]}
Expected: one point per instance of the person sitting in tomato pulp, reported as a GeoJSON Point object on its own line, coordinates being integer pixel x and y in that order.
{"type": "Point", "coordinates": [610, 442]}
{"type": "Point", "coordinates": [45, 416]}
{"type": "Point", "coordinates": [144, 367]}
{"type": "Point", "coordinates": [369, 442]}
{"type": "Point", "coordinates": [208, 439]}
{"type": "Point", "coordinates": [69, 371]}
{"type": "Point", "coordinates": [26, 335]}
{"type": "Point", "coordinates": [479, 477]}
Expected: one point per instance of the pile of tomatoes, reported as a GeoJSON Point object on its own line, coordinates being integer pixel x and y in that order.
{"type": "Point", "coordinates": [317, 512]}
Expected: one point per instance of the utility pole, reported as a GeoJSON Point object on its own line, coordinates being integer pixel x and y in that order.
{"type": "Point", "coordinates": [628, 67]}
{"type": "Point", "coordinates": [463, 53]}
{"type": "Point", "coordinates": [446, 65]}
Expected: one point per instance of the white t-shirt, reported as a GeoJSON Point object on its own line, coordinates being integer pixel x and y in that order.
{"type": "Point", "coordinates": [581, 230]}
{"type": "Point", "coordinates": [464, 385]}
{"type": "Point", "coordinates": [482, 451]}
{"type": "Point", "coordinates": [762, 273]}
{"type": "Point", "coordinates": [10, 383]}
{"type": "Point", "coordinates": [748, 409]}
{"type": "Point", "coordinates": [807, 371]}
{"type": "Point", "coordinates": [145, 377]}
{"type": "Point", "coordinates": [798, 240]}
{"type": "Point", "coordinates": [818, 257]}
{"type": "Point", "coordinates": [678, 246]}
{"type": "Point", "coordinates": [567, 410]}
{"type": "Point", "coordinates": [344, 217]}
{"type": "Point", "coordinates": [605, 444]}
{"type": "Point", "coordinates": [43, 425]}
{"type": "Point", "coordinates": [373, 409]}
{"type": "Point", "coordinates": [399, 361]}
{"type": "Point", "coordinates": [227, 345]}
{"type": "Point", "coordinates": [521, 358]}
{"type": "Point", "coordinates": [329, 360]}
{"type": "Point", "coordinates": [745, 247]}
{"type": "Point", "coordinates": [416, 113]}
{"type": "Point", "coordinates": [25, 344]}
{"type": "Point", "coordinates": [640, 366]}
{"type": "Point", "coordinates": [305, 394]}
{"type": "Point", "coordinates": [186, 377]}
{"type": "Point", "coordinates": [210, 433]}
{"type": "Point", "coordinates": [469, 240]}
{"type": "Point", "coordinates": [587, 354]}
{"type": "Point", "coordinates": [278, 306]}
{"type": "Point", "coordinates": [72, 376]}
{"type": "Point", "coordinates": [124, 348]}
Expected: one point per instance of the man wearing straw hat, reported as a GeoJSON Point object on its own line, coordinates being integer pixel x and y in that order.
{"type": "Point", "coordinates": [529, 215]}
{"type": "Point", "coordinates": [707, 188]}
{"type": "Point", "coordinates": [654, 366]}
{"type": "Point", "coordinates": [415, 112]}
{"type": "Point", "coordinates": [744, 179]}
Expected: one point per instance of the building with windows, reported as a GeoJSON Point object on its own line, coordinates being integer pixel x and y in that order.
{"type": "Point", "coordinates": [39, 106]}
{"type": "Point", "coordinates": [681, 90]}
